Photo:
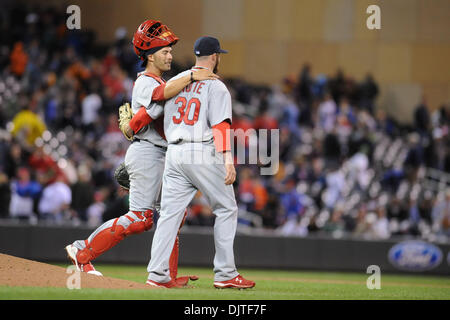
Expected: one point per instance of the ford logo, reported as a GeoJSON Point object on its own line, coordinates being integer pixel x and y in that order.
{"type": "Point", "coordinates": [415, 255]}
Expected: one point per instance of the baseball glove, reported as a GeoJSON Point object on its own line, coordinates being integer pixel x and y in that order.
{"type": "Point", "coordinates": [125, 115]}
{"type": "Point", "coordinates": [122, 177]}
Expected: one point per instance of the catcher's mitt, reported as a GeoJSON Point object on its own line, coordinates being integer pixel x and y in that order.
{"type": "Point", "coordinates": [122, 177]}
{"type": "Point", "coordinates": [125, 115]}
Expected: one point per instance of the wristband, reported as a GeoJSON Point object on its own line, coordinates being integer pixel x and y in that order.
{"type": "Point", "coordinates": [192, 76]}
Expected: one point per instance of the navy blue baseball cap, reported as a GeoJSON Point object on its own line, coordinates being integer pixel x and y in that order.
{"type": "Point", "coordinates": [205, 46]}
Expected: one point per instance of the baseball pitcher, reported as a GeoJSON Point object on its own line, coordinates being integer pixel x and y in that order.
{"type": "Point", "coordinates": [196, 126]}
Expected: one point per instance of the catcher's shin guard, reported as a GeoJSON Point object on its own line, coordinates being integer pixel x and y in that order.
{"type": "Point", "coordinates": [173, 261]}
{"type": "Point", "coordinates": [133, 222]}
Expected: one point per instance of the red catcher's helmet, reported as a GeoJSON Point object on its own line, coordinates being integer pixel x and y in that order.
{"type": "Point", "coordinates": [152, 34]}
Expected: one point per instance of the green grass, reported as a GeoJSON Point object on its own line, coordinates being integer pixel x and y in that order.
{"type": "Point", "coordinates": [270, 285]}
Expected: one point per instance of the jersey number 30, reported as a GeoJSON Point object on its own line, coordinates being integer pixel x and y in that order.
{"type": "Point", "coordinates": [184, 113]}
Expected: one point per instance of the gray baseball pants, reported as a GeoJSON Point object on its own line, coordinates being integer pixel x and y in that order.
{"type": "Point", "coordinates": [191, 167]}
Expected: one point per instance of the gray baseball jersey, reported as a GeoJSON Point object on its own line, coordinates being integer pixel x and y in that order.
{"type": "Point", "coordinates": [144, 160]}
{"type": "Point", "coordinates": [190, 115]}
{"type": "Point", "coordinates": [188, 118]}
{"type": "Point", "coordinates": [142, 97]}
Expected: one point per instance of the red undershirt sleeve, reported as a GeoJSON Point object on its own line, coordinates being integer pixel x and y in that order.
{"type": "Point", "coordinates": [158, 93]}
{"type": "Point", "coordinates": [222, 136]}
{"type": "Point", "coordinates": [140, 120]}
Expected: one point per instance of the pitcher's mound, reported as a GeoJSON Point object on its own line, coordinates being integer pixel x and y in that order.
{"type": "Point", "coordinates": [27, 273]}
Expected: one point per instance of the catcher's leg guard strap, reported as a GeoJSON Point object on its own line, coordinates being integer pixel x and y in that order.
{"type": "Point", "coordinates": [131, 223]}
{"type": "Point", "coordinates": [173, 261]}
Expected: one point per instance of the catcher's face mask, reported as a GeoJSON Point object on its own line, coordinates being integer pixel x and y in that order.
{"type": "Point", "coordinates": [151, 36]}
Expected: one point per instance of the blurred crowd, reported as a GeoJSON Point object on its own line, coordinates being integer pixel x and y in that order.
{"type": "Point", "coordinates": [346, 168]}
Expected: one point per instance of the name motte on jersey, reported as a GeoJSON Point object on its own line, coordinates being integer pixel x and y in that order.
{"type": "Point", "coordinates": [194, 87]}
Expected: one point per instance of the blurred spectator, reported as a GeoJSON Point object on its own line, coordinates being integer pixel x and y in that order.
{"type": "Point", "coordinates": [261, 195]}
{"type": "Point", "coordinates": [246, 196]}
{"type": "Point", "coordinates": [5, 195]}
{"type": "Point", "coordinates": [252, 194]}
{"type": "Point", "coordinates": [91, 105]}
{"type": "Point", "coordinates": [332, 149]}
{"type": "Point", "coordinates": [327, 113]}
{"type": "Point", "coordinates": [337, 86]}
{"type": "Point", "coordinates": [425, 206]}
{"type": "Point", "coordinates": [13, 159]}
{"type": "Point", "coordinates": [368, 91]}
{"type": "Point", "coordinates": [240, 126]}
{"type": "Point", "coordinates": [200, 214]}
{"type": "Point", "coordinates": [55, 201]}
{"type": "Point", "coordinates": [415, 156]}
{"type": "Point", "coordinates": [305, 83]}
{"type": "Point", "coordinates": [396, 210]}
{"type": "Point", "coordinates": [43, 163]}
{"type": "Point", "coordinates": [293, 204]}
{"type": "Point", "coordinates": [23, 196]}
{"type": "Point", "coordinates": [96, 210]}
{"type": "Point", "coordinates": [358, 166]}
{"type": "Point", "coordinates": [28, 126]}
{"type": "Point", "coordinates": [360, 141]}
{"type": "Point", "coordinates": [335, 182]}
{"type": "Point", "coordinates": [346, 117]}
{"type": "Point", "coordinates": [18, 59]}
{"type": "Point", "coordinates": [291, 200]}
{"type": "Point", "coordinates": [414, 217]}
{"type": "Point", "coordinates": [391, 181]}
{"type": "Point", "coordinates": [117, 205]}
{"type": "Point", "coordinates": [336, 225]}
{"type": "Point", "coordinates": [82, 193]}
{"type": "Point", "coordinates": [270, 211]}
{"type": "Point", "coordinates": [265, 121]}
{"type": "Point", "coordinates": [287, 148]}
{"type": "Point", "coordinates": [422, 117]}
{"type": "Point", "coordinates": [293, 227]}
{"type": "Point", "coordinates": [305, 94]}
{"type": "Point", "coordinates": [441, 116]}
{"type": "Point", "coordinates": [363, 221]}
{"type": "Point", "coordinates": [289, 117]}
{"type": "Point", "coordinates": [380, 228]}
{"type": "Point", "coordinates": [384, 123]}
{"type": "Point", "coordinates": [441, 215]}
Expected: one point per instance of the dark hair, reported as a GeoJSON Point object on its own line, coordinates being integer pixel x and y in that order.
{"type": "Point", "coordinates": [143, 54]}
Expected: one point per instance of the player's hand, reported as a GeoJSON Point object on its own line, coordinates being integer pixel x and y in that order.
{"type": "Point", "coordinates": [230, 175]}
{"type": "Point", "coordinates": [203, 74]}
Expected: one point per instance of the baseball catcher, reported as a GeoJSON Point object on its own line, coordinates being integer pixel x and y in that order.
{"type": "Point", "coordinates": [144, 161]}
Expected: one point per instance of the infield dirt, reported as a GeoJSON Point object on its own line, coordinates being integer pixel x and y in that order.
{"type": "Point", "coordinates": [21, 272]}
